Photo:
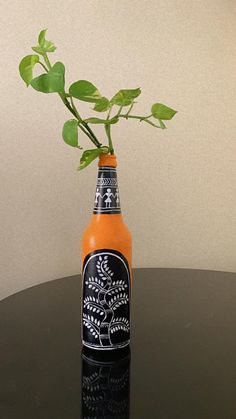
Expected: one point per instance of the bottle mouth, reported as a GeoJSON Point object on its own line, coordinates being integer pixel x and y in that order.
{"type": "Point", "coordinates": [107, 160]}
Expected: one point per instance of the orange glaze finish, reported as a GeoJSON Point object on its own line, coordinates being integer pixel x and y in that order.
{"type": "Point", "coordinates": [107, 160]}
{"type": "Point", "coordinates": [107, 231]}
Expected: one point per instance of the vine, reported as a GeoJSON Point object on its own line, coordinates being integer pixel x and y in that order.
{"type": "Point", "coordinates": [52, 80]}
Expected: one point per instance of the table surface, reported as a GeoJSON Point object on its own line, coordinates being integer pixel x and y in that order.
{"type": "Point", "coordinates": [183, 352]}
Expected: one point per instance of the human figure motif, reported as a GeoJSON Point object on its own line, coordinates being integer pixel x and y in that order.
{"type": "Point", "coordinates": [117, 198]}
{"type": "Point", "coordinates": [108, 201]}
{"type": "Point", "coordinates": [97, 195]}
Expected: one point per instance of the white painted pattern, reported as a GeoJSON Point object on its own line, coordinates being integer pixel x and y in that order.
{"type": "Point", "coordinates": [102, 181]}
{"type": "Point", "coordinates": [111, 195]}
{"type": "Point", "coordinates": [109, 294]}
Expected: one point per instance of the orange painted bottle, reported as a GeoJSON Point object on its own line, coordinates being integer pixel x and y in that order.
{"type": "Point", "coordinates": [106, 267]}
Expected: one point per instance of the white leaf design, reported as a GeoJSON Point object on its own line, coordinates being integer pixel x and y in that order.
{"type": "Point", "coordinates": [109, 291]}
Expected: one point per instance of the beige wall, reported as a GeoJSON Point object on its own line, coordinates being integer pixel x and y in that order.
{"type": "Point", "coordinates": [177, 187]}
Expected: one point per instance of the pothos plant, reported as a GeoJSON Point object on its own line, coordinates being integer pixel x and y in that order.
{"type": "Point", "coordinates": [52, 80]}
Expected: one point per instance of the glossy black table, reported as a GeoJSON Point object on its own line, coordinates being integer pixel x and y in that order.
{"type": "Point", "coordinates": [183, 352]}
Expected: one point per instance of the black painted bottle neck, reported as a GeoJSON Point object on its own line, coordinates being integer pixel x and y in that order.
{"type": "Point", "coordinates": [107, 198]}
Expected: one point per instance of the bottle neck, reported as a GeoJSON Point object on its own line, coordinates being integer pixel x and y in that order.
{"type": "Point", "coordinates": [107, 199]}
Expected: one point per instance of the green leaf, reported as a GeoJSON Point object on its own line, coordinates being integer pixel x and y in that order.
{"type": "Point", "coordinates": [89, 155]}
{"type": "Point", "coordinates": [44, 46]}
{"type": "Point", "coordinates": [84, 90]}
{"type": "Point", "coordinates": [70, 132]}
{"type": "Point", "coordinates": [53, 81]}
{"type": "Point", "coordinates": [102, 105]}
{"type": "Point", "coordinates": [41, 37]}
{"type": "Point", "coordinates": [49, 46]}
{"type": "Point", "coordinates": [113, 120]}
{"type": "Point", "coordinates": [125, 97]}
{"type": "Point", "coordinates": [160, 111]}
{"type": "Point", "coordinates": [38, 50]}
{"type": "Point", "coordinates": [26, 67]}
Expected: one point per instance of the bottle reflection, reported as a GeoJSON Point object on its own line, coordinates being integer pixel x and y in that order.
{"type": "Point", "coordinates": [105, 387]}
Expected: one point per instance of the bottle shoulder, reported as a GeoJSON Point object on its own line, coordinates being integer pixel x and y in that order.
{"type": "Point", "coordinates": [104, 225]}
{"type": "Point", "coordinates": [106, 221]}
{"type": "Point", "coordinates": [107, 232]}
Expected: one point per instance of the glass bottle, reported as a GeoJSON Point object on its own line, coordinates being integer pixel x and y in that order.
{"type": "Point", "coordinates": [106, 266]}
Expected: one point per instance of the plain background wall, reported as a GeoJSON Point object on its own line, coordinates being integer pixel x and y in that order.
{"type": "Point", "coordinates": [177, 186]}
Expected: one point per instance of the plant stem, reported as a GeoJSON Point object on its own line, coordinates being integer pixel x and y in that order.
{"type": "Point", "coordinates": [119, 111]}
{"type": "Point", "coordinates": [78, 117]}
{"type": "Point", "coordinates": [98, 144]}
{"type": "Point", "coordinates": [130, 109]}
{"type": "Point", "coordinates": [108, 132]}
{"type": "Point", "coordinates": [84, 127]}
{"type": "Point", "coordinates": [46, 59]}
{"type": "Point", "coordinates": [109, 112]}
{"type": "Point", "coordinates": [44, 66]}
{"type": "Point", "coordinates": [141, 118]}
{"type": "Point", "coordinates": [75, 110]}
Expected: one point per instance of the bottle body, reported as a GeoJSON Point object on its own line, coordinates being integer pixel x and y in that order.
{"type": "Point", "coordinates": [106, 268]}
